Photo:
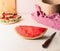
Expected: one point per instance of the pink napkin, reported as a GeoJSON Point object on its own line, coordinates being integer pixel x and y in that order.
{"type": "Point", "coordinates": [52, 21]}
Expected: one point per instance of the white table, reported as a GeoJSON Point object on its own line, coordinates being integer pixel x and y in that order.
{"type": "Point", "coordinates": [11, 41]}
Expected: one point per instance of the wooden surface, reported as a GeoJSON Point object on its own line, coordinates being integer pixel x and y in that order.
{"type": "Point", "coordinates": [7, 6]}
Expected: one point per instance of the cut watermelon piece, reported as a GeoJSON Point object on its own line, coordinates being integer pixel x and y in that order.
{"type": "Point", "coordinates": [30, 32]}
{"type": "Point", "coordinates": [9, 18]}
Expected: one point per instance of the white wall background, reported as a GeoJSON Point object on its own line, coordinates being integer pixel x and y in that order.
{"type": "Point", "coordinates": [26, 6]}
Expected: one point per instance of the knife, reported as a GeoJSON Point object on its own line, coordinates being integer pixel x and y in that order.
{"type": "Point", "coordinates": [48, 41]}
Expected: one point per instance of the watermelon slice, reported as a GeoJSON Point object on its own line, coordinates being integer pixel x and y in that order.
{"type": "Point", "coordinates": [9, 18]}
{"type": "Point", "coordinates": [30, 32]}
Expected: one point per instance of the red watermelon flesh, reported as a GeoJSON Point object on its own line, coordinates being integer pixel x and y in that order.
{"type": "Point", "coordinates": [30, 32]}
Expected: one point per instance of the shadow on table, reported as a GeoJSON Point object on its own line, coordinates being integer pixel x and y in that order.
{"type": "Point", "coordinates": [41, 38]}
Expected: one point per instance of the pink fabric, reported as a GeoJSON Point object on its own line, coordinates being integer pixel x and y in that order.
{"type": "Point", "coordinates": [52, 21]}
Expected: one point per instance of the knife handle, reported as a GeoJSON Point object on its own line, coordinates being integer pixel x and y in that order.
{"type": "Point", "coordinates": [47, 42]}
